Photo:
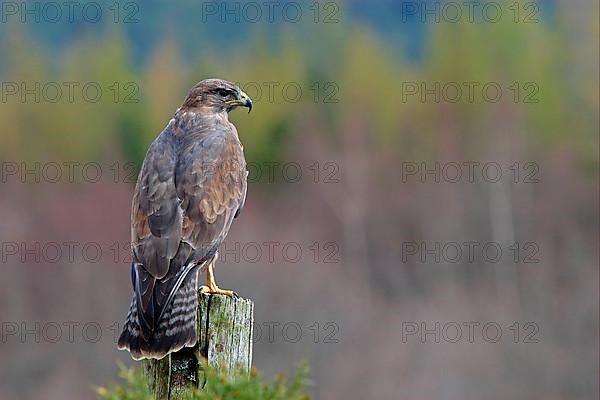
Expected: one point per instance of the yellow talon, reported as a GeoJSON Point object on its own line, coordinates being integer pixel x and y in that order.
{"type": "Point", "coordinates": [211, 286]}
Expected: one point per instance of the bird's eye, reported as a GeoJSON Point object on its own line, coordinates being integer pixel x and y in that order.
{"type": "Point", "coordinates": [223, 92]}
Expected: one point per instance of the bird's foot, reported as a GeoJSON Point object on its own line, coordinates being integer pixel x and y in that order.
{"type": "Point", "coordinates": [217, 290]}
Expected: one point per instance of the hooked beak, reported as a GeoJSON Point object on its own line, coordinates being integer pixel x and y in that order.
{"type": "Point", "coordinates": [243, 100]}
{"type": "Point", "coordinates": [246, 101]}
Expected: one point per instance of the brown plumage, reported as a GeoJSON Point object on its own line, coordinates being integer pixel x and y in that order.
{"type": "Point", "coordinates": [191, 186]}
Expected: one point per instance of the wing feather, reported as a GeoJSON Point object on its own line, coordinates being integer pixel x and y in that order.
{"type": "Point", "coordinates": [191, 186]}
{"type": "Point", "coordinates": [211, 183]}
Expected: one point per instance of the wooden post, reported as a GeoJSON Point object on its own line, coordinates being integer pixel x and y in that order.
{"type": "Point", "coordinates": [224, 339]}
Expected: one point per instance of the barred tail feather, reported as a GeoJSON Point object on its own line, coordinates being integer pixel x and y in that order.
{"type": "Point", "coordinates": [176, 328]}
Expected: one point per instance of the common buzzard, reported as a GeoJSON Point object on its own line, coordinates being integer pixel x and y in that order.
{"type": "Point", "coordinates": [191, 187]}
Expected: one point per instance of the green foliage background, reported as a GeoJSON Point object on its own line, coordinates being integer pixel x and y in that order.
{"type": "Point", "coordinates": [367, 68]}
{"type": "Point", "coordinates": [134, 387]}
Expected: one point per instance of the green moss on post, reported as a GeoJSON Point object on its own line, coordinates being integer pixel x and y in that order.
{"type": "Point", "coordinates": [224, 341]}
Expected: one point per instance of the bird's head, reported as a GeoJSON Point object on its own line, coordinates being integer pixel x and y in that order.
{"type": "Point", "coordinates": [217, 95]}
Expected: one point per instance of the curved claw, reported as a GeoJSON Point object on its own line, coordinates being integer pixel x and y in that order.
{"type": "Point", "coordinates": [203, 289]}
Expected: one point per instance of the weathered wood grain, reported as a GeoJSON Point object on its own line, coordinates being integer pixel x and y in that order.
{"type": "Point", "coordinates": [224, 341]}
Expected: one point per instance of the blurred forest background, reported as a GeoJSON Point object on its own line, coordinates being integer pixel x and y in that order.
{"type": "Point", "coordinates": [355, 213]}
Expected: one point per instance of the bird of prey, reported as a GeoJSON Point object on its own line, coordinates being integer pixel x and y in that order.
{"type": "Point", "coordinates": [191, 187]}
